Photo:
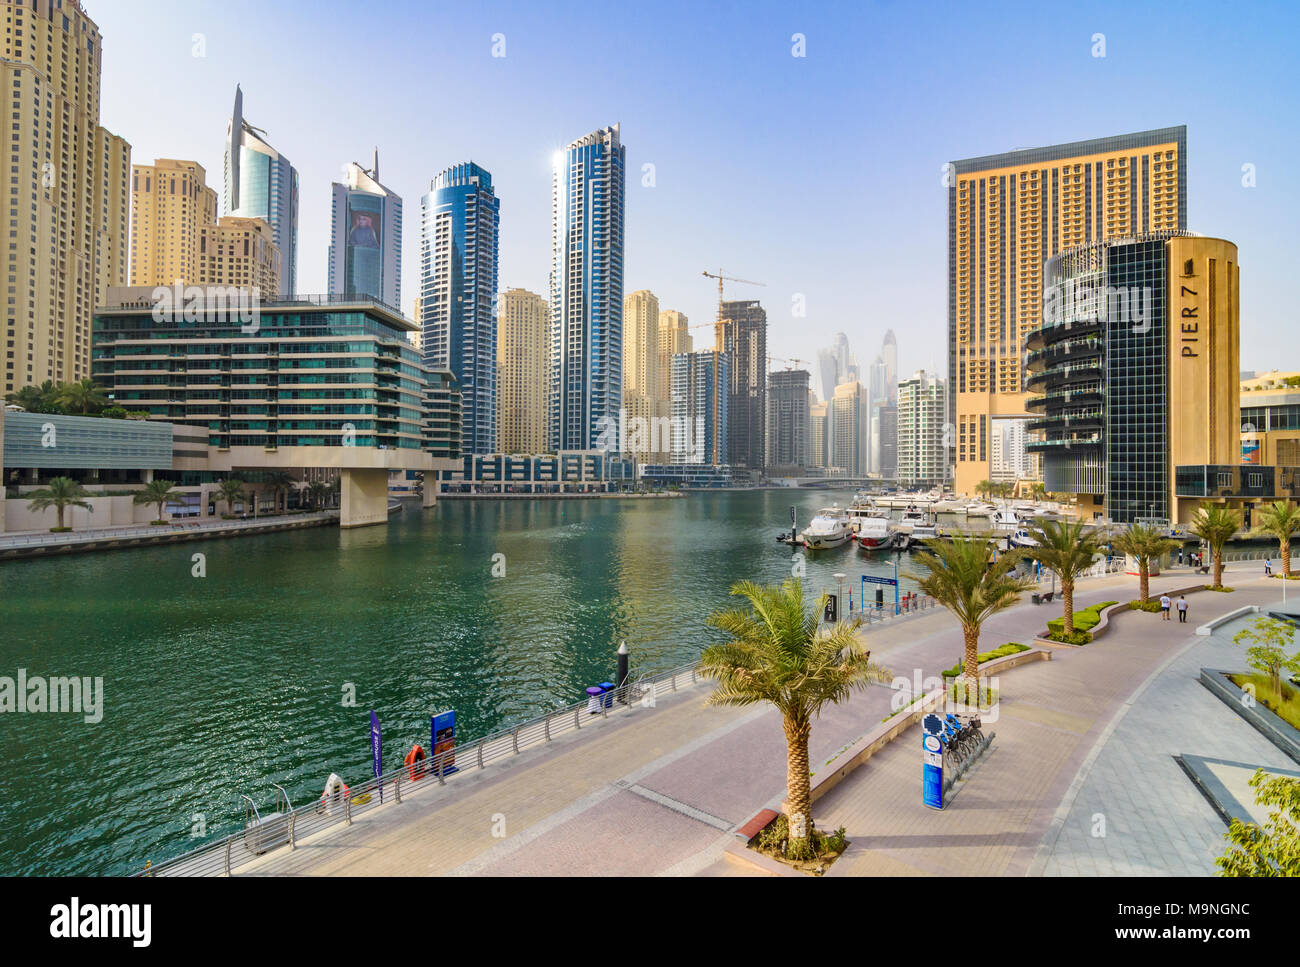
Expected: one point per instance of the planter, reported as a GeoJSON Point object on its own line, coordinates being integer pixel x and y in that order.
{"type": "Point", "coordinates": [1265, 721]}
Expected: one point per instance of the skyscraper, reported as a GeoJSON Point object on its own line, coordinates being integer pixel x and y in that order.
{"type": "Point", "coordinates": [889, 353]}
{"type": "Point", "coordinates": [261, 183]}
{"type": "Point", "coordinates": [1007, 215]}
{"type": "Point", "coordinates": [523, 354]}
{"type": "Point", "coordinates": [922, 414]}
{"type": "Point", "coordinates": [641, 377]}
{"type": "Point", "coordinates": [849, 439]}
{"type": "Point", "coordinates": [239, 253]}
{"type": "Point", "coordinates": [818, 433]}
{"type": "Point", "coordinates": [834, 364]}
{"type": "Point", "coordinates": [588, 198]}
{"type": "Point", "coordinates": [674, 339]}
{"type": "Point", "coordinates": [68, 201]}
{"type": "Point", "coordinates": [700, 400]}
{"type": "Point", "coordinates": [366, 236]}
{"type": "Point", "coordinates": [458, 287]}
{"type": "Point", "coordinates": [170, 203]}
{"type": "Point", "coordinates": [788, 441]}
{"type": "Point", "coordinates": [741, 333]}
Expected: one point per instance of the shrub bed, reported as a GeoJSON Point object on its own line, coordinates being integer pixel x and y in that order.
{"type": "Point", "coordinates": [1010, 648]}
{"type": "Point", "coordinates": [1150, 607]}
{"type": "Point", "coordinates": [823, 848]}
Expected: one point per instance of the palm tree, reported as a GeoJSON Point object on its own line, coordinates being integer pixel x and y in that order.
{"type": "Point", "coordinates": [1281, 520]}
{"type": "Point", "coordinates": [159, 493]}
{"type": "Point", "coordinates": [779, 654]}
{"type": "Point", "coordinates": [318, 491]}
{"type": "Point", "coordinates": [231, 491]}
{"type": "Point", "coordinates": [1145, 543]}
{"type": "Point", "coordinates": [84, 396]}
{"type": "Point", "coordinates": [62, 492]}
{"type": "Point", "coordinates": [37, 399]}
{"type": "Point", "coordinates": [1215, 524]}
{"type": "Point", "coordinates": [964, 576]}
{"type": "Point", "coordinates": [280, 482]}
{"type": "Point", "coordinates": [1063, 547]}
{"type": "Point", "coordinates": [1038, 490]}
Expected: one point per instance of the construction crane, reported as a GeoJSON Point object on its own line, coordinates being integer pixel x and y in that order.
{"type": "Point", "coordinates": [781, 359]}
{"type": "Point", "coordinates": [720, 277]}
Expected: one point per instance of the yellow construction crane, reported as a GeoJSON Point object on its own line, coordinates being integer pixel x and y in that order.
{"type": "Point", "coordinates": [720, 277]}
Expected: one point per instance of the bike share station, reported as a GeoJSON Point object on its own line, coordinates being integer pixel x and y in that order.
{"type": "Point", "coordinates": [948, 741]}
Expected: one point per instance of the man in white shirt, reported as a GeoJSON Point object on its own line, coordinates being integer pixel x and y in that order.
{"type": "Point", "coordinates": [1164, 607]}
{"type": "Point", "coordinates": [1182, 610]}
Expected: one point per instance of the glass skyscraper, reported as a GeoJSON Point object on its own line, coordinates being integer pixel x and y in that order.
{"type": "Point", "coordinates": [589, 187]}
{"type": "Point", "coordinates": [458, 294]}
{"type": "Point", "coordinates": [366, 237]}
{"type": "Point", "coordinates": [261, 183]}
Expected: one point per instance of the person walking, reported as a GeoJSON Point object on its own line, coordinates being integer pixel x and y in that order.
{"type": "Point", "coordinates": [1268, 567]}
{"type": "Point", "coordinates": [1182, 609]}
{"type": "Point", "coordinates": [1164, 607]}
{"type": "Point", "coordinates": [1180, 555]}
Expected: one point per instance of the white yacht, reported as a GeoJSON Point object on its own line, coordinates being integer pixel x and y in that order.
{"type": "Point", "coordinates": [1021, 538]}
{"type": "Point", "coordinates": [878, 534]}
{"type": "Point", "coordinates": [829, 528]}
{"type": "Point", "coordinates": [1006, 520]}
{"type": "Point", "coordinates": [980, 510]}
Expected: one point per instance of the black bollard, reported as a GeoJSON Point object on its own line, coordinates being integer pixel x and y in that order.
{"type": "Point", "coordinates": [621, 678]}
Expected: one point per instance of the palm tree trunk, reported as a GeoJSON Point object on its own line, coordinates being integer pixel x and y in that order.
{"type": "Point", "coordinates": [971, 662]}
{"type": "Point", "coordinates": [1286, 558]}
{"type": "Point", "coordinates": [1144, 578]}
{"type": "Point", "coordinates": [1067, 596]}
{"type": "Point", "coordinates": [59, 508]}
{"type": "Point", "coordinates": [1217, 553]}
{"type": "Point", "coordinates": [798, 784]}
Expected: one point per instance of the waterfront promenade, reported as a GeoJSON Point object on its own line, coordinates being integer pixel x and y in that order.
{"type": "Point", "coordinates": [661, 791]}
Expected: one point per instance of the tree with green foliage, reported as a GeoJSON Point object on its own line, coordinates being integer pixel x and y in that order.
{"type": "Point", "coordinates": [1270, 640]}
{"type": "Point", "coordinates": [280, 483]}
{"type": "Point", "coordinates": [1215, 524]}
{"type": "Point", "coordinates": [1145, 544]}
{"type": "Point", "coordinates": [62, 492]}
{"type": "Point", "coordinates": [966, 577]}
{"type": "Point", "coordinates": [83, 397]}
{"type": "Point", "coordinates": [1063, 546]}
{"type": "Point", "coordinates": [37, 399]}
{"type": "Point", "coordinates": [159, 493]}
{"type": "Point", "coordinates": [778, 652]}
{"type": "Point", "coordinates": [1280, 519]}
{"type": "Point", "coordinates": [318, 492]}
{"type": "Point", "coordinates": [232, 492]}
{"type": "Point", "coordinates": [1274, 848]}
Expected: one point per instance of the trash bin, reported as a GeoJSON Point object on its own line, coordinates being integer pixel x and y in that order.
{"type": "Point", "coordinates": [593, 699]}
{"type": "Point", "coordinates": [1036, 598]}
{"type": "Point", "coordinates": [607, 692]}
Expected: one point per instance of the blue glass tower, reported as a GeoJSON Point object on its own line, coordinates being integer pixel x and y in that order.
{"type": "Point", "coordinates": [458, 291]}
{"type": "Point", "coordinates": [589, 186]}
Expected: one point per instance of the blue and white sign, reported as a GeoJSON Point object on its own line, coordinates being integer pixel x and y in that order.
{"type": "Point", "coordinates": [376, 750]}
{"type": "Point", "coordinates": [932, 762]}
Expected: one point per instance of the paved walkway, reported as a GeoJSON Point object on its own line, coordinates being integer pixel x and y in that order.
{"type": "Point", "coordinates": [1081, 777]}
{"type": "Point", "coordinates": [661, 791]}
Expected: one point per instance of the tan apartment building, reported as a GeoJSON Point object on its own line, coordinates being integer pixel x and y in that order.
{"type": "Point", "coordinates": [239, 252]}
{"type": "Point", "coordinates": [523, 362]}
{"type": "Point", "coordinates": [170, 203]}
{"type": "Point", "coordinates": [674, 339]}
{"type": "Point", "coordinates": [1270, 419]}
{"type": "Point", "coordinates": [645, 406]}
{"type": "Point", "coordinates": [1007, 215]}
{"type": "Point", "coordinates": [67, 206]}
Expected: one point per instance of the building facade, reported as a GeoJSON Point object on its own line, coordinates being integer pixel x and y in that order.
{"type": "Point", "coordinates": [1270, 419]}
{"type": "Point", "coordinates": [459, 259]}
{"type": "Point", "coordinates": [644, 411]}
{"type": "Point", "coordinates": [170, 203]}
{"type": "Point", "coordinates": [1007, 215]}
{"type": "Point", "coordinates": [922, 422]}
{"type": "Point", "coordinates": [789, 445]}
{"type": "Point", "coordinates": [741, 333]}
{"type": "Point", "coordinates": [261, 183]}
{"type": "Point", "coordinates": [365, 255]}
{"type": "Point", "coordinates": [523, 359]}
{"type": "Point", "coordinates": [818, 434]}
{"type": "Point", "coordinates": [241, 253]}
{"type": "Point", "coordinates": [1137, 367]}
{"type": "Point", "coordinates": [588, 205]}
{"type": "Point", "coordinates": [700, 401]}
{"type": "Point", "coordinates": [68, 202]}
{"type": "Point", "coordinates": [850, 440]}
{"type": "Point", "coordinates": [674, 339]}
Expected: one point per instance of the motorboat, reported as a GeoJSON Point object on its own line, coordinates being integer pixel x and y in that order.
{"type": "Point", "coordinates": [1006, 520]}
{"type": "Point", "coordinates": [979, 510]}
{"type": "Point", "coordinates": [878, 534]}
{"type": "Point", "coordinates": [829, 528]}
{"type": "Point", "coordinates": [1022, 538]}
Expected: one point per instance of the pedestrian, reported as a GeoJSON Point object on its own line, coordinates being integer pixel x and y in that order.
{"type": "Point", "coordinates": [1182, 610]}
{"type": "Point", "coordinates": [1268, 567]}
{"type": "Point", "coordinates": [1164, 607]}
{"type": "Point", "coordinates": [1180, 555]}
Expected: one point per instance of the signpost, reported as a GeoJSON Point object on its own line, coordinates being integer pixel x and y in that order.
{"type": "Point", "coordinates": [932, 761]}
{"type": "Point", "coordinates": [871, 579]}
{"type": "Point", "coordinates": [376, 750]}
{"type": "Point", "coordinates": [442, 736]}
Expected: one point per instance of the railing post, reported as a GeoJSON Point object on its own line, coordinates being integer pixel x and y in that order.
{"type": "Point", "coordinates": [693, 678]}
{"type": "Point", "coordinates": [397, 787]}
{"type": "Point", "coordinates": [441, 779]}
{"type": "Point", "coordinates": [228, 840]}
{"type": "Point", "coordinates": [577, 719]}
{"type": "Point", "coordinates": [293, 817]}
{"type": "Point", "coordinates": [674, 681]}
{"type": "Point", "coordinates": [514, 738]}
{"type": "Point", "coordinates": [546, 725]}
{"type": "Point", "coordinates": [347, 808]}
{"type": "Point", "coordinates": [480, 753]}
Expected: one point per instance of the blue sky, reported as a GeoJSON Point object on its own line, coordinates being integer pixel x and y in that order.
{"type": "Point", "coordinates": [818, 175]}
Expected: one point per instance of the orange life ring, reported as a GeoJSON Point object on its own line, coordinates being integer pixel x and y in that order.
{"type": "Point", "coordinates": [414, 762]}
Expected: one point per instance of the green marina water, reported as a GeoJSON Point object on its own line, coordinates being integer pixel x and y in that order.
{"type": "Point", "coordinates": [220, 685]}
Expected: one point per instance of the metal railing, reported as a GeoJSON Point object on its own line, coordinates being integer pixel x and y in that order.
{"type": "Point", "coordinates": [149, 530]}
{"type": "Point", "coordinates": [222, 856]}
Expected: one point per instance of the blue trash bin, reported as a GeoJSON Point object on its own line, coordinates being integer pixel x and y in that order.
{"type": "Point", "coordinates": [607, 692]}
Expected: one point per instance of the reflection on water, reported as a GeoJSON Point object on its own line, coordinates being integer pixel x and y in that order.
{"type": "Point", "coordinates": [218, 686]}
